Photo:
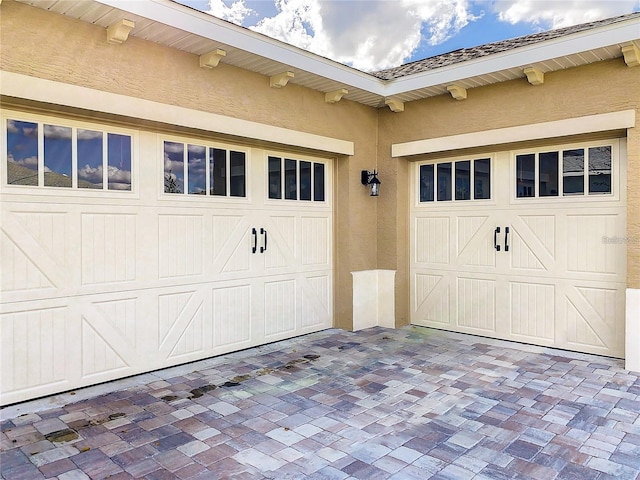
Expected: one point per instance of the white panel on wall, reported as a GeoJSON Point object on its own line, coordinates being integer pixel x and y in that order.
{"type": "Point", "coordinates": [170, 306]}
{"type": "Point", "coordinates": [98, 355]}
{"type": "Point", "coordinates": [49, 230]}
{"type": "Point", "coordinates": [192, 339]}
{"type": "Point", "coordinates": [180, 240]}
{"type": "Point", "coordinates": [280, 253]}
{"type": "Point", "coordinates": [579, 331]}
{"type": "Point", "coordinates": [479, 251]}
{"type": "Point", "coordinates": [33, 348]}
{"type": "Point", "coordinates": [476, 303]}
{"type": "Point", "coordinates": [315, 301]}
{"type": "Point", "coordinates": [224, 229]}
{"type": "Point", "coordinates": [586, 250]}
{"type": "Point", "coordinates": [467, 228]}
{"type": "Point", "coordinates": [122, 315]}
{"type": "Point", "coordinates": [544, 229]}
{"type": "Point", "coordinates": [522, 255]}
{"type": "Point", "coordinates": [434, 292]}
{"type": "Point", "coordinates": [315, 237]}
{"type": "Point", "coordinates": [108, 248]}
{"type": "Point", "coordinates": [279, 307]}
{"type": "Point", "coordinates": [17, 271]}
{"type": "Point", "coordinates": [533, 310]}
{"type": "Point", "coordinates": [432, 240]}
{"type": "Point", "coordinates": [231, 315]}
{"type": "Point", "coordinates": [236, 257]}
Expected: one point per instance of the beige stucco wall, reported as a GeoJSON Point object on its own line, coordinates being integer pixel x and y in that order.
{"type": "Point", "coordinates": [598, 88]}
{"type": "Point", "coordinates": [50, 46]}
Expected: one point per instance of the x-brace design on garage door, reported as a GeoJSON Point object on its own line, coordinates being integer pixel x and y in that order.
{"type": "Point", "coordinates": [535, 270]}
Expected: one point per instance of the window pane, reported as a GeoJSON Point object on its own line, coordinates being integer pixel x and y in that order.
{"type": "Point", "coordinates": [426, 183]}
{"type": "Point", "coordinates": [275, 177]}
{"type": "Point", "coordinates": [444, 181]}
{"type": "Point", "coordinates": [463, 180]}
{"type": "Point", "coordinates": [525, 175]}
{"type": "Point", "coordinates": [573, 171]}
{"type": "Point", "coordinates": [119, 166]}
{"type": "Point", "coordinates": [90, 159]}
{"type": "Point", "coordinates": [600, 169]}
{"type": "Point", "coordinates": [237, 169]}
{"type": "Point", "coordinates": [22, 153]}
{"type": "Point", "coordinates": [290, 180]}
{"type": "Point", "coordinates": [305, 180]}
{"type": "Point", "coordinates": [57, 156]}
{"type": "Point", "coordinates": [173, 167]}
{"type": "Point", "coordinates": [318, 182]}
{"type": "Point", "coordinates": [482, 179]}
{"type": "Point", "coordinates": [218, 171]}
{"type": "Point", "coordinates": [548, 174]}
{"type": "Point", "coordinates": [197, 165]}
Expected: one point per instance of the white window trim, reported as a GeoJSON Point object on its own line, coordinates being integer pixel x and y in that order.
{"type": "Point", "coordinates": [560, 128]}
{"type": "Point", "coordinates": [328, 175]}
{"type": "Point", "coordinates": [616, 158]}
{"type": "Point", "coordinates": [453, 202]}
{"type": "Point", "coordinates": [186, 197]}
{"type": "Point", "coordinates": [73, 191]}
{"type": "Point", "coordinates": [38, 89]}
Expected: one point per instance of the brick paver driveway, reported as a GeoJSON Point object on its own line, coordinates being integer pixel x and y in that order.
{"type": "Point", "coordinates": [411, 403]}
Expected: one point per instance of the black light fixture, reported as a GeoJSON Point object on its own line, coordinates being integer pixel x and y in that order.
{"type": "Point", "coordinates": [371, 179]}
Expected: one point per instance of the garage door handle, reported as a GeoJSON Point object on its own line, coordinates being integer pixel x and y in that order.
{"type": "Point", "coordinates": [495, 239]}
{"type": "Point", "coordinates": [255, 240]}
{"type": "Point", "coordinates": [506, 239]}
{"type": "Point", "coordinates": [263, 232]}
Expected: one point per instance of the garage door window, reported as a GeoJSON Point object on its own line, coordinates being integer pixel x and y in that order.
{"type": "Point", "coordinates": [456, 181]}
{"type": "Point", "coordinates": [51, 154]}
{"type": "Point", "coordinates": [194, 169]}
{"type": "Point", "coordinates": [583, 171]}
{"type": "Point", "coordinates": [296, 179]}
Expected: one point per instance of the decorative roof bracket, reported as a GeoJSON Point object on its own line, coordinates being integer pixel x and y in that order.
{"type": "Point", "coordinates": [280, 80]}
{"type": "Point", "coordinates": [211, 59]}
{"type": "Point", "coordinates": [395, 105]}
{"type": "Point", "coordinates": [631, 54]}
{"type": "Point", "coordinates": [118, 32]}
{"type": "Point", "coordinates": [534, 75]}
{"type": "Point", "coordinates": [335, 96]}
{"type": "Point", "coordinates": [457, 92]}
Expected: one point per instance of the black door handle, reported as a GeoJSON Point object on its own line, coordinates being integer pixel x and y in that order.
{"type": "Point", "coordinates": [506, 239]}
{"type": "Point", "coordinates": [495, 239]}
{"type": "Point", "coordinates": [255, 240]}
{"type": "Point", "coordinates": [263, 232]}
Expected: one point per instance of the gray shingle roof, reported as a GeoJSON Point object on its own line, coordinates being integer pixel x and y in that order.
{"type": "Point", "coordinates": [465, 54]}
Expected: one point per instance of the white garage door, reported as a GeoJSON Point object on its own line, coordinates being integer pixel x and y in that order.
{"type": "Point", "coordinates": [126, 251]}
{"type": "Point", "coordinates": [523, 245]}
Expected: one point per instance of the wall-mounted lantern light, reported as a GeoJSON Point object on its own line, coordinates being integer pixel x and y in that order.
{"type": "Point", "coordinates": [371, 179]}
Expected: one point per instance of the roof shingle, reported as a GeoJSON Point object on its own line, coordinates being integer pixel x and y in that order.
{"type": "Point", "coordinates": [466, 54]}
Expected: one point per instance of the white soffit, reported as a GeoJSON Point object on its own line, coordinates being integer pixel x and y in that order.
{"type": "Point", "coordinates": [177, 26]}
{"type": "Point", "coordinates": [559, 128]}
{"type": "Point", "coordinates": [48, 91]}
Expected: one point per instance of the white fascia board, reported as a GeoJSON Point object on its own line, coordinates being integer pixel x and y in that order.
{"type": "Point", "coordinates": [618, 33]}
{"type": "Point", "coordinates": [57, 93]}
{"type": "Point", "coordinates": [558, 128]}
{"type": "Point", "coordinates": [208, 26]}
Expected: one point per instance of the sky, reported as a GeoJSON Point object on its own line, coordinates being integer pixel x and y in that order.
{"type": "Point", "coordinates": [373, 35]}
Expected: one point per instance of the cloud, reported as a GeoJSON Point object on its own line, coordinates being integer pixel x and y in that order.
{"type": "Point", "coordinates": [89, 135]}
{"type": "Point", "coordinates": [367, 34]}
{"type": "Point", "coordinates": [236, 12]}
{"type": "Point", "coordinates": [56, 132]}
{"type": "Point", "coordinates": [90, 174]}
{"type": "Point", "coordinates": [560, 13]}
{"type": "Point", "coordinates": [29, 162]}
